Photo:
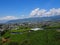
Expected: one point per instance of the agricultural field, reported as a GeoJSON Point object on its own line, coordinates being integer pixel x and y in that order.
{"type": "Point", "coordinates": [41, 37]}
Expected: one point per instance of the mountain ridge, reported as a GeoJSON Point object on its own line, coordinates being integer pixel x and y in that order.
{"type": "Point", "coordinates": [36, 19]}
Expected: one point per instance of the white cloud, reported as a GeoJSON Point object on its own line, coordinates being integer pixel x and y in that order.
{"type": "Point", "coordinates": [42, 12]}
{"type": "Point", "coordinates": [8, 18]}
{"type": "Point", "coordinates": [34, 12]}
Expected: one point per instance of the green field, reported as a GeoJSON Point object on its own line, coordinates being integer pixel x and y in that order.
{"type": "Point", "coordinates": [42, 37]}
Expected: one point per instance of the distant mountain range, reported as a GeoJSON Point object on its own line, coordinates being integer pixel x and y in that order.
{"type": "Point", "coordinates": [33, 19]}
{"type": "Point", "coordinates": [3, 21]}
{"type": "Point", "coordinates": [36, 19]}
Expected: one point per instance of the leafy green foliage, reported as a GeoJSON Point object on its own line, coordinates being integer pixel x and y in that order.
{"type": "Point", "coordinates": [42, 37]}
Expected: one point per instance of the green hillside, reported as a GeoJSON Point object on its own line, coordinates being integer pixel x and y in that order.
{"type": "Point", "coordinates": [42, 37]}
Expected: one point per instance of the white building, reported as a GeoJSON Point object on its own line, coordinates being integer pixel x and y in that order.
{"type": "Point", "coordinates": [35, 29]}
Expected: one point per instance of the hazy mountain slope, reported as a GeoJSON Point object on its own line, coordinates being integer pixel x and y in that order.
{"type": "Point", "coordinates": [36, 19]}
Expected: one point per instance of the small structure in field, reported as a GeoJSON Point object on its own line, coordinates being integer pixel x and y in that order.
{"type": "Point", "coordinates": [35, 29]}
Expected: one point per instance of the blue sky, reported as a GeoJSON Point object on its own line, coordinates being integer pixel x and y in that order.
{"type": "Point", "coordinates": [21, 8]}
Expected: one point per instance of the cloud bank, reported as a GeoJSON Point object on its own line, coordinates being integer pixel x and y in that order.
{"type": "Point", "coordinates": [35, 13]}
{"type": "Point", "coordinates": [43, 12]}
{"type": "Point", "coordinates": [8, 18]}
